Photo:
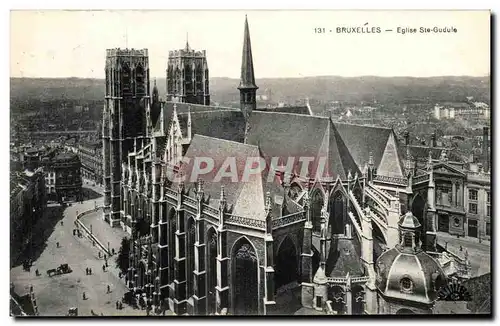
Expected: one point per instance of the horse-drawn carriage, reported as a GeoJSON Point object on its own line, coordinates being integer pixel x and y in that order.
{"type": "Point", "coordinates": [62, 269]}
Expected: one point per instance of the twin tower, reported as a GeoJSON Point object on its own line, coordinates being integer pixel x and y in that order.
{"type": "Point", "coordinates": [127, 99]}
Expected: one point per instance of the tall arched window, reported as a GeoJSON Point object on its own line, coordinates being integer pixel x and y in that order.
{"type": "Point", "coordinates": [244, 276]}
{"type": "Point", "coordinates": [337, 213]}
{"type": "Point", "coordinates": [317, 202]}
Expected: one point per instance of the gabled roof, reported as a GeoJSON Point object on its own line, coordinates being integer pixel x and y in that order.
{"type": "Point", "coordinates": [168, 109]}
{"type": "Point", "coordinates": [344, 257]}
{"type": "Point", "coordinates": [247, 198]}
{"type": "Point", "coordinates": [228, 124]}
{"type": "Point", "coordinates": [447, 168]}
{"type": "Point", "coordinates": [292, 135]}
{"type": "Point", "coordinates": [363, 140]}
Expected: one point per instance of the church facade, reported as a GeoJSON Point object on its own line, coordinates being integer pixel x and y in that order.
{"type": "Point", "coordinates": [208, 241]}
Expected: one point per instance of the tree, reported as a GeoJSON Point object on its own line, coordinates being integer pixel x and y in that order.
{"type": "Point", "coordinates": [122, 260]}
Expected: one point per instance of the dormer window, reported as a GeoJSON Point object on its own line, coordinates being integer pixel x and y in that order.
{"type": "Point", "coordinates": [406, 285]}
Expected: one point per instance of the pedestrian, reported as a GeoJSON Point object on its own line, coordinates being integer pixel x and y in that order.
{"type": "Point", "coordinates": [112, 251]}
{"type": "Point", "coordinates": [99, 254]}
{"type": "Point", "coordinates": [37, 273]}
{"type": "Point", "coordinates": [108, 289]}
{"type": "Point", "coordinates": [57, 244]}
{"type": "Point", "coordinates": [106, 263]}
{"type": "Point", "coordinates": [84, 296]}
{"type": "Point", "coordinates": [87, 271]}
{"type": "Point", "coordinates": [103, 268]}
{"type": "Point", "coordinates": [62, 223]}
{"type": "Point", "coordinates": [117, 305]}
{"type": "Point", "coordinates": [90, 271]}
{"type": "Point", "coordinates": [105, 257]}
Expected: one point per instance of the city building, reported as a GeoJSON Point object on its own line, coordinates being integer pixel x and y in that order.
{"type": "Point", "coordinates": [27, 203]}
{"type": "Point", "coordinates": [462, 190]}
{"type": "Point", "coordinates": [465, 110]}
{"type": "Point", "coordinates": [234, 242]}
{"type": "Point", "coordinates": [63, 179]}
{"type": "Point", "coordinates": [61, 171]}
{"type": "Point", "coordinates": [187, 76]}
{"type": "Point", "coordinates": [90, 154]}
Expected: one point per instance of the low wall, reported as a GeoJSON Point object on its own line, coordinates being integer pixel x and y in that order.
{"type": "Point", "coordinates": [89, 235]}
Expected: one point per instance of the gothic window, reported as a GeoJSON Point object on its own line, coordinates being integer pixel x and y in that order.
{"type": "Point", "coordinates": [317, 203]}
{"type": "Point", "coordinates": [211, 258]}
{"type": "Point", "coordinates": [406, 285]}
{"type": "Point", "coordinates": [108, 82]}
{"type": "Point", "coordinates": [337, 213]}
{"type": "Point", "coordinates": [244, 278]}
{"type": "Point", "coordinates": [140, 80]}
{"type": "Point", "coordinates": [126, 79]}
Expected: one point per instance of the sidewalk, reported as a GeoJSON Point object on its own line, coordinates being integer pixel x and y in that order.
{"type": "Point", "coordinates": [103, 231]}
{"type": "Point", "coordinates": [479, 254]}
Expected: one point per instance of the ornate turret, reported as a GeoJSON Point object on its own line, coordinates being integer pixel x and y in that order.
{"type": "Point", "coordinates": [407, 273]}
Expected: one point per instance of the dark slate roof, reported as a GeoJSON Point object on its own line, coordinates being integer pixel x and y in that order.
{"type": "Point", "coordinates": [155, 112]}
{"type": "Point", "coordinates": [288, 109]}
{"type": "Point", "coordinates": [224, 124]}
{"type": "Point", "coordinates": [361, 140]}
{"type": "Point", "coordinates": [344, 257]}
{"type": "Point", "coordinates": [247, 198]}
{"type": "Point", "coordinates": [292, 135]}
{"type": "Point", "coordinates": [168, 109]}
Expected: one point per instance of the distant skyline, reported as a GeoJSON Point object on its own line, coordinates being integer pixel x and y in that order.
{"type": "Point", "coordinates": [55, 44]}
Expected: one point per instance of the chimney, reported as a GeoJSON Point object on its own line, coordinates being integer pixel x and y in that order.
{"type": "Point", "coordinates": [407, 137]}
{"type": "Point", "coordinates": [485, 154]}
{"type": "Point", "coordinates": [433, 140]}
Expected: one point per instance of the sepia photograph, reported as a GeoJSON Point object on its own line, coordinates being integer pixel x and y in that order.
{"type": "Point", "coordinates": [325, 163]}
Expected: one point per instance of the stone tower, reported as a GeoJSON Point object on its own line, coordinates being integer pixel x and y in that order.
{"type": "Point", "coordinates": [187, 76]}
{"type": "Point", "coordinates": [127, 93]}
{"type": "Point", "coordinates": [247, 86]}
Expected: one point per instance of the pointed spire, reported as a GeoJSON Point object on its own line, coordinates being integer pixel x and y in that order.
{"type": "Point", "coordinates": [187, 48]}
{"type": "Point", "coordinates": [429, 161]}
{"type": "Point", "coordinates": [247, 75]}
{"type": "Point", "coordinates": [370, 159]}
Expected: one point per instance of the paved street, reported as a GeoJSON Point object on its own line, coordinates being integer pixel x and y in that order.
{"type": "Point", "coordinates": [479, 253]}
{"type": "Point", "coordinates": [58, 293]}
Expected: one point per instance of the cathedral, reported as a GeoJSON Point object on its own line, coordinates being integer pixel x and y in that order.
{"type": "Point", "coordinates": [358, 237]}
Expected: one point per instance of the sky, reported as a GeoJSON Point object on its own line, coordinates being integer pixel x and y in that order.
{"type": "Point", "coordinates": [284, 43]}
